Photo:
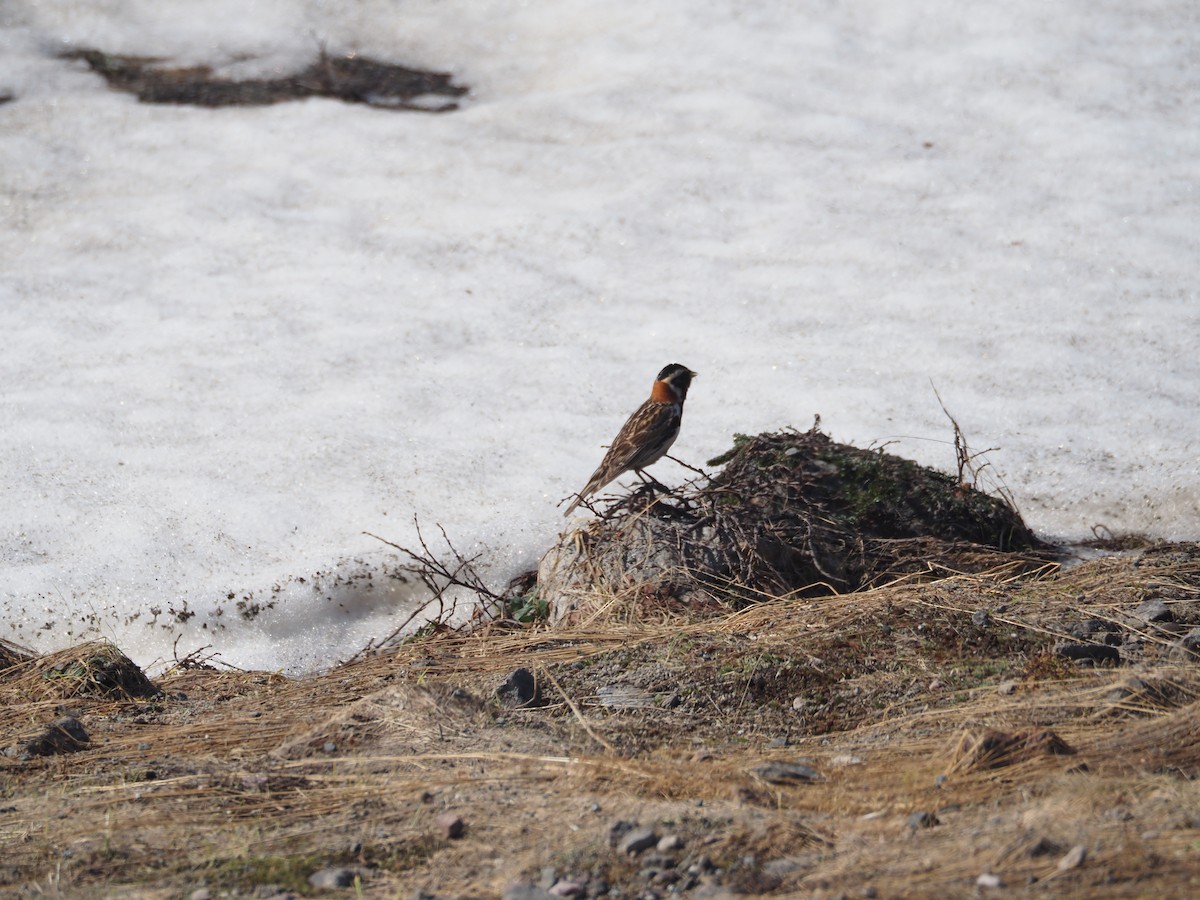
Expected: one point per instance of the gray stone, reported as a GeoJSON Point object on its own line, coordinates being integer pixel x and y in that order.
{"type": "Point", "coordinates": [618, 829]}
{"type": "Point", "coordinates": [670, 843]}
{"type": "Point", "coordinates": [340, 877]}
{"type": "Point", "coordinates": [981, 618]}
{"type": "Point", "coordinates": [524, 890]}
{"type": "Point", "coordinates": [788, 773]}
{"type": "Point", "coordinates": [1187, 648]}
{"type": "Point", "coordinates": [1154, 610]}
{"type": "Point", "coordinates": [1074, 858]}
{"type": "Point", "coordinates": [450, 825]}
{"type": "Point", "coordinates": [1094, 654]}
{"type": "Point", "coordinates": [922, 819]}
{"type": "Point", "coordinates": [637, 840]}
{"type": "Point", "coordinates": [1089, 627]}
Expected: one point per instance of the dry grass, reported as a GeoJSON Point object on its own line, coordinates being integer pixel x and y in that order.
{"type": "Point", "coordinates": [235, 780]}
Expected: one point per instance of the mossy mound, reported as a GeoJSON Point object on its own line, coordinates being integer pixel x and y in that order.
{"type": "Point", "coordinates": [96, 670]}
{"type": "Point", "coordinates": [790, 512]}
{"type": "Point", "coordinates": [793, 477]}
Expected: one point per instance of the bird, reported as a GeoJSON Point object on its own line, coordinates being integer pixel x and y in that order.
{"type": "Point", "coordinates": [647, 435]}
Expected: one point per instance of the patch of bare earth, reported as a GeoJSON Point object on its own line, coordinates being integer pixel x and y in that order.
{"type": "Point", "coordinates": [918, 740]}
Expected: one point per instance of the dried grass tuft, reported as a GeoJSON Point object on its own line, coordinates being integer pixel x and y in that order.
{"type": "Point", "coordinates": [991, 749]}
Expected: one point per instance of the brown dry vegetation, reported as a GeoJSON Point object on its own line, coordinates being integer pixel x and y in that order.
{"type": "Point", "coordinates": [233, 781]}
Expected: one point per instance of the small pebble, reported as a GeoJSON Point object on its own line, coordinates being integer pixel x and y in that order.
{"type": "Point", "coordinates": [670, 843]}
{"type": "Point", "coordinates": [1154, 610]}
{"type": "Point", "coordinates": [1074, 858]}
{"type": "Point", "coordinates": [333, 878]}
{"type": "Point", "coordinates": [450, 825]}
{"type": "Point", "coordinates": [787, 773]}
{"type": "Point", "coordinates": [922, 819]}
{"type": "Point", "coordinates": [846, 760]}
{"type": "Point", "coordinates": [988, 880]}
{"type": "Point", "coordinates": [519, 689]}
{"type": "Point", "coordinates": [637, 840]}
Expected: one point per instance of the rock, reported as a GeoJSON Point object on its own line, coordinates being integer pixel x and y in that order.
{"type": "Point", "coordinates": [787, 773]}
{"type": "Point", "coordinates": [1187, 648]}
{"type": "Point", "coordinates": [988, 880]}
{"type": "Point", "coordinates": [1154, 610]}
{"type": "Point", "coordinates": [519, 689]}
{"type": "Point", "coordinates": [340, 877]}
{"type": "Point", "coordinates": [65, 735]}
{"type": "Point", "coordinates": [1170, 629]}
{"type": "Point", "coordinates": [200, 894]}
{"type": "Point", "coordinates": [1093, 653]}
{"type": "Point", "coordinates": [846, 759]}
{"type": "Point", "coordinates": [450, 825]}
{"type": "Point", "coordinates": [922, 819]}
{"type": "Point", "coordinates": [782, 867]}
{"type": "Point", "coordinates": [1089, 627]}
{"type": "Point", "coordinates": [670, 843]}
{"type": "Point", "coordinates": [1073, 859]}
{"type": "Point", "coordinates": [1006, 688]}
{"type": "Point", "coordinates": [524, 890]}
{"type": "Point", "coordinates": [568, 889]}
{"type": "Point", "coordinates": [637, 840]}
{"type": "Point", "coordinates": [981, 618]}
{"type": "Point", "coordinates": [1043, 847]}
{"type": "Point", "coordinates": [618, 829]}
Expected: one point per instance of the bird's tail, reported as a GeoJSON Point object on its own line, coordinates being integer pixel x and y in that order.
{"type": "Point", "coordinates": [598, 480]}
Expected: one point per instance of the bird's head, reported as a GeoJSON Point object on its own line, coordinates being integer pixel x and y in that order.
{"type": "Point", "coordinates": [676, 379]}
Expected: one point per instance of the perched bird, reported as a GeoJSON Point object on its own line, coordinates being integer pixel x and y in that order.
{"type": "Point", "coordinates": [647, 435]}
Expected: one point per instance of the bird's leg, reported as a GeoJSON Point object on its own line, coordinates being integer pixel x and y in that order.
{"type": "Point", "coordinates": [652, 482]}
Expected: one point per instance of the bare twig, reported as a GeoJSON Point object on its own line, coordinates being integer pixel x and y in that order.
{"type": "Point", "coordinates": [438, 575]}
{"type": "Point", "coordinates": [967, 460]}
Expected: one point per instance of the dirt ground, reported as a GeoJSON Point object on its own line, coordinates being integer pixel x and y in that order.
{"type": "Point", "coordinates": [937, 738]}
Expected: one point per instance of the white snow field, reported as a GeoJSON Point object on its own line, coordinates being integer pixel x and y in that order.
{"type": "Point", "coordinates": [234, 340]}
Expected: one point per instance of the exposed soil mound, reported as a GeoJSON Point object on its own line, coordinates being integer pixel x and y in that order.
{"type": "Point", "coordinates": [352, 79]}
{"type": "Point", "coordinates": [790, 512]}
